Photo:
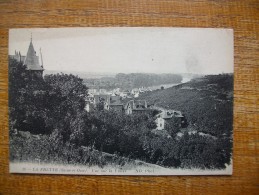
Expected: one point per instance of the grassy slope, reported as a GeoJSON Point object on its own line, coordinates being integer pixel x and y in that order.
{"type": "Point", "coordinates": [28, 148]}
{"type": "Point", "coordinates": [207, 103]}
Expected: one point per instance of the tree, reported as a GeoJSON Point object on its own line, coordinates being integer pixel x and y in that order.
{"type": "Point", "coordinates": [17, 85]}
{"type": "Point", "coordinates": [27, 112]}
{"type": "Point", "coordinates": [70, 87]}
{"type": "Point", "coordinates": [173, 126]}
{"type": "Point", "coordinates": [68, 112]}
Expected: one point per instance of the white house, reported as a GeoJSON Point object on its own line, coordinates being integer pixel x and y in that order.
{"type": "Point", "coordinates": [160, 122]}
{"type": "Point", "coordinates": [165, 116]}
{"type": "Point", "coordinates": [136, 95]}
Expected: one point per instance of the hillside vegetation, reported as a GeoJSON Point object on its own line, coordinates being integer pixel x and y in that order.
{"type": "Point", "coordinates": [52, 110]}
{"type": "Point", "coordinates": [207, 103]}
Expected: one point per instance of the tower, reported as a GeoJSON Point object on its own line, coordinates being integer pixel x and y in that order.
{"type": "Point", "coordinates": [32, 62]}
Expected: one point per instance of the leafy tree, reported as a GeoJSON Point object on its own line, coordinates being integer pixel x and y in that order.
{"type": "Point", "coordinates": [198, 151]}
{"type": "Point", "coordinates": [27, 112]}
{"type": "Point", "coordinates": [68, 113]}
{"type": "Point", "coordinates": [173, 126]}
{"type": "Point", "coordinates": [70, 87]}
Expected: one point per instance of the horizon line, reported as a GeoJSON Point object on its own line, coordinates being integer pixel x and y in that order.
{"type": "Point", "coordinates": [94, 72]}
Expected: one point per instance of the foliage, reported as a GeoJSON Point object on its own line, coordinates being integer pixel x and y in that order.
{"type": "Point", "coordinates": [173, 126]}
{"type": "Point", "coordinates": [207, 111]}
{"type": "Point", "coordinates": [26, 102]}
{"type": "Point", "coordinates": [113, 132]}
{"type": "Point", "coordinates": [39, 149]}
{"type": "Point", "coordinates": [203, 152]}
{"type": "Point", "coordinates": [201, 102]}
{"type": "Point", "coordinates": [42, 106]}
{"type": "Point", "coordinates": [48, 122]}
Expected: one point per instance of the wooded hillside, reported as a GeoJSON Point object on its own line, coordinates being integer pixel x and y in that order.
{"type": "Point", "coordinates": [132, 80]}
{"type": "Point", "coordinates": [206, 102]}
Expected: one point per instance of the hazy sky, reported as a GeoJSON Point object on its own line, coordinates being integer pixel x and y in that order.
{"type": "Point", "coordinates": [152, 50]}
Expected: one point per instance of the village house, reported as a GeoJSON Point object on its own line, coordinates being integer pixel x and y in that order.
{"type": "Point", "coordinates": [142, 90]}
{"type": "Point", "coordinates": [103, 98]}
{"type": "Point", "coordinates": [125, 94]}
{"type": "Point", "coordinates": [164, 118]}
{"type": "Point", "coordinates": [116, 91]}
{"type": "Point", "coordinates": [98, 91]}
{"type": "Point", "coordinates": [109, 102]}
{"type": "Point", "coordinates": [135, 92]}
{"type": "Point", "coordinates": [115, 104]}
{"type": "Point", "coordinates": [136, 106]}
{"type": "Point", "coordinates": [92, 91]}
{"type": "Point", "coordinates": [102, 91]}
{"type": "Point", "coordinates": [90, 98]}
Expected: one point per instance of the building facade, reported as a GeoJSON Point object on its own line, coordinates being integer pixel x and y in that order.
{"type": "Point", "coordinates": [137, 106]}
{"type": "Point", "coordinates": [167, 116]}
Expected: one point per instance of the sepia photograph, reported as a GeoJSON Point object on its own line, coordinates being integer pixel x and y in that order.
{"type": "Point", "coordinates": [121, 101]}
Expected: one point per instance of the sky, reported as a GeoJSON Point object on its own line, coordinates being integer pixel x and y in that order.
{"type": "Point", "coordinates": [130, 49]}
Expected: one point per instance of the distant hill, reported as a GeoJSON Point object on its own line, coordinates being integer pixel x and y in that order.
{"type": "Point", "coordinates": [132, 80]}
{"type": "Point", "coordinates": [83, 75]}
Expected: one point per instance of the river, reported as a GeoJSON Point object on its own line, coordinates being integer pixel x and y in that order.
{"type": "Point", "coordinates": [185, 80]}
